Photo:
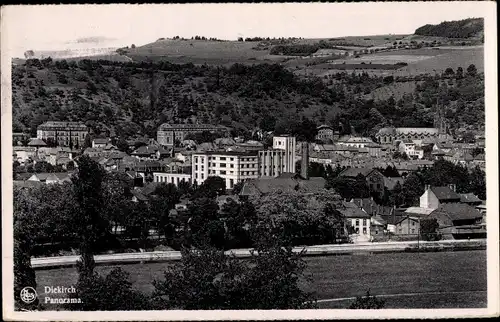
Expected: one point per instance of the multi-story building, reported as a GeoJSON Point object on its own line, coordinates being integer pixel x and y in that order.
{"type": "Point", "coordinates": [326, 134]}
{"type": "Point", "coordinates": [169, 133]}
{"type": "Point", "coordinates": [271, 163]}
{"type": "Point", "coordinates": [279, 159]}
{"type": "Point", "coordinates": [232, 166]}
{"type": "Point", "coordinates": [63, 133]}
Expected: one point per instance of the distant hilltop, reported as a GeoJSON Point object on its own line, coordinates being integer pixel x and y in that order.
{"type": "Point", "coordinates": [69, 53]}
{"type": "Point", "coordinates": [466, 28]}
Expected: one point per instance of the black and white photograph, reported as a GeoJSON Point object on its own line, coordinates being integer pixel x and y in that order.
{"type": "Point", "coordinates": [193, 161]}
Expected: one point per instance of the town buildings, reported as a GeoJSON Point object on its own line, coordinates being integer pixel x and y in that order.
{"type": "Point", "coordinates": [167, 133]}
{"type": "Point", "coordinates": [70, 134]}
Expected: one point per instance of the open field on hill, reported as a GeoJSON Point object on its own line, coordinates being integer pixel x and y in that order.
{"type": "Point", "coordinates": [226, 52]}
{"type": "Point", "coordinates": [420, 61]}
{"type": "Point", "coordinates": [445, 273]}
{"type": "Point", "coordinates": [201, 51]}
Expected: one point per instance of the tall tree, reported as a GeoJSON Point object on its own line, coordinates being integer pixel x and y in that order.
{"type": "Point", "coordinates": [91, 225]}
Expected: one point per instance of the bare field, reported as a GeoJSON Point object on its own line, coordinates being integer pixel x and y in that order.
{"type": "Point", "coordinates": [420, 61]}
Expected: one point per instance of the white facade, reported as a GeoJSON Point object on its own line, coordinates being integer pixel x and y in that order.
{"type": "Point", "coordinates": [411, 150]}
{"type": "Point", "coordinates": [428, 200]}
{"type": "Point", "coordinates": [289, 145]}
{"type": "Point", "coordinates": [272, 163]}
{"type": "Point", "coordinates": [233, 167]}
{"type": "Point", "coordinates": [174, 178]}
{"type": "Point", "coordinates": [361, 226]}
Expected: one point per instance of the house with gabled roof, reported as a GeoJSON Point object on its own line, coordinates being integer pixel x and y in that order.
{"type": "Point", "coordinates": [374, 179]}
{"type": "Point", "coordinates": [408, 225]}
{"type": "Point", "coordinates": [460, 220]}
{"type": "Point", "coordinates": [433, 197]}
{"type": "Point", "coordinates": [358, 219]}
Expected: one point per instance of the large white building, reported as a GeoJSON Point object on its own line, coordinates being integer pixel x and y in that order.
{"type": "Point", "coordinates": [232, 166]}
{"type": "Point", "coordinates": [279, 159]}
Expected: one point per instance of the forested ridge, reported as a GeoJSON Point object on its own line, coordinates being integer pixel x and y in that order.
{"type": "Point", "coordinates": [465, 28]}
{"type": "Point", "coordinates": [135, 98]}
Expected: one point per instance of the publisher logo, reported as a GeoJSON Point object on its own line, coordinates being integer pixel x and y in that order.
{"type": "Point", "coordinates": [28, 295]}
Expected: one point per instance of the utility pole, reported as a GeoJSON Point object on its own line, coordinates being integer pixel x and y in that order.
{"type": "Point", "coordinates": [418, 232]}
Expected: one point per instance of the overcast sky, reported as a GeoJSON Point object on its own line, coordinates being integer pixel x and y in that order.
{"type": "Point", "coordinates": [58, 27]}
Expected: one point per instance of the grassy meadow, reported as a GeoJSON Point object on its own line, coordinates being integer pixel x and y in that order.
{"type": "Point", "coordinates": [425, 280]}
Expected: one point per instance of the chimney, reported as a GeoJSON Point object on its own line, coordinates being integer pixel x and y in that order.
{"type": "Point", "coordinates": [427, 187]}
{"type": "Point", "coordinates": [453, 187]}
{"type": "Point", "coordinates": [304, 165]}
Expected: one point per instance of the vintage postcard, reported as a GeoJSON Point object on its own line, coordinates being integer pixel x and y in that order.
{"type": "Point", "coordinates": [250, 161]}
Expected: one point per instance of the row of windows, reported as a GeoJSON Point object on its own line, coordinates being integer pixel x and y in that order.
{"type": "Point", "coordinates": [224, 172]}
{"type": "Point", "coordinates": [364, 231]}
{"type": "Point", "coordinates": [202, 176]}
{"type": "Point", "coordinates": [172, 179]}
{"type": "Point", "coordinates": [357, 222]}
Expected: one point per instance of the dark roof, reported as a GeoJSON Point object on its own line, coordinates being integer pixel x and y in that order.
{"type": "Point", "coordinates": [139, 195]}
{"type": "Point", "coordinates": [469, 198]}
{"type": "Point", "coordinates": [286, 183]}
{"type": "Point", "coordinates": [354, 172]}
{"type": "Point", "coordinates": [445, 193]}
{"type": "Point", "coordinates": [363, 202]}
{"type": "Point", "coordinates": [24, 175]}
{"type": "Point", "coordinates": [457, 211]}
{"type": "Point", "coordinates": [351, 210]}
{"type": "Point", "coordinates": [149, 188]}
